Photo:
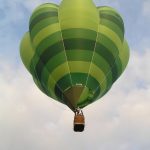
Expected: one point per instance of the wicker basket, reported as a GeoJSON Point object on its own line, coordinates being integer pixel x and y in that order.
{"type": "Point", "coordinates": [79, 122]}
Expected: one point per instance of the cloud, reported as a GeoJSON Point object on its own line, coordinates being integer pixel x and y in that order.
{"type": "Point", "coordinates": [138, 70]}
{"type": "Point", "coordinates": [31, 120]}
{"type": "Point", "coordinates": [24, 110]}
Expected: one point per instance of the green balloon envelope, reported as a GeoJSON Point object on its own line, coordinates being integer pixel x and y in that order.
{"type": "Point", "coordinates": [75, 51]}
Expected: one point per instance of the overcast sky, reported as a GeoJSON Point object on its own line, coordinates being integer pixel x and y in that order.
{"type": "Point", "coordinates": [29, 120]}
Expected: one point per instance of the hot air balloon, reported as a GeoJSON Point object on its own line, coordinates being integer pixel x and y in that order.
{"type": "Point", "coordinates": [75, 51]}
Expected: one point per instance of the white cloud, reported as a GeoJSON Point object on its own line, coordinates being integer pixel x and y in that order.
{"type": "Point", "coordinates": [119, 121]}
{"type": "Point", "coordinates": [138, 72]}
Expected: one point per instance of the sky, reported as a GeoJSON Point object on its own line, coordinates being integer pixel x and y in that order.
{"type": "Point", "coordinates": [30, 120]}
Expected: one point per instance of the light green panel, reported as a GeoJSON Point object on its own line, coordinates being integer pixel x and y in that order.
{"type": "Point", "coordinates": [107, 8]}
{"type": "Point", "coordinates": [26, 51]}
{"type": "Point", "coordinates": [74, 14]}
{"type": "Point", "coordinates": [42, 24]}
{"type": "Point", "coordinates": [111, 35]}
{"type": "Point", "coordinates": [103, 64]}
{"type": "Point", "coordinates": [45, 32]}
{"type": "Point", "coordinates": [55, 75]}
{"type": "Point", "coordinates": [39, 8]}
{"type": "Point", "coordinates": [99, 75]}
{"type": "Point", "coordinates": [79, 66]}
{"type": "Point", "coordinates": [60, 71]}
{"type": "Point", "coordinates": [113, 27]}
{"type": "Point", "coordinates": [109, 44]}
{"type": "Point", "coordinates": [124, 55]}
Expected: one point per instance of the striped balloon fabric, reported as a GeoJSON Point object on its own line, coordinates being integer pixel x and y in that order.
{"type": "Point", "coordinates": [75, 51]}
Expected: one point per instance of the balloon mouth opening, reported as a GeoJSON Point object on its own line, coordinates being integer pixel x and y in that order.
{"type": "Point", "coordinates": [77, 95]}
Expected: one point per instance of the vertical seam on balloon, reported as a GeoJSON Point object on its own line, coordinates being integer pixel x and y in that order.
{"type": "Point", "coordinates": [46, 87]}
{"type": "Point", "coordinates": [64, 47]}
{"type": "Point", "coordinates": [92, 55]}
{"type": "Point", "coordinates": [65, 56]}
{"type": "Point", "coordinates": [101, 93]}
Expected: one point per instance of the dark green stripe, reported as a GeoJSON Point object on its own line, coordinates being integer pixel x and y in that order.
{"type": "Point", "coordinates": [117, 63]}
{"type": "Point", "coordinates": [42, 24]}
{"type": "Point", "coordinates": [39, 86]}
{"type": "Point", "coordinates": [109, 44]}
{"type": "Point", "coordinates": [58, 93]}
{"type": "Point", "coordinates": [49, 41]}
{"type": "Point", "coordinates": [52, 51]}
{"type": "Point", "coordinates": [42, 10]}
{"type": "Point", "coordinates": [41, 17]}
{"type": "Point", "coordinates": [100, 62]}
{"type": "Point", "coordinates": [55, 61]}
{"type": "Point", "coordinates": [79, 33]}
{"type": "Point", "coordinates": [47, 55]}
{"type": "Point", "coordinates": [79, 78]}
{"type": "Point", "coordinates": [110, 59]}
{"type": "Point", "coordinates": [79, 55]}
{"type": "Point", "coordinates": [78, 43]}
{"type": "Point", "coordinates": [113, 19]}
{"type": "Point", "coordinates": [92, 84]}
{"type": "Point", "coordinates": [111, 12]}
{"type": "Point", "coordinates": [64, 83]}
{"type": "Point", "coordinates": [112, 48]}
{"type": "Point", "coordinates": [35, 75]}
{"type": "Point", "coordinates": [113, 27]}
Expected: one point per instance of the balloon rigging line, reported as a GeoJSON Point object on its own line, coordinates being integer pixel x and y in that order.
{"type": "Point", "coordinates": [64, 47]}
